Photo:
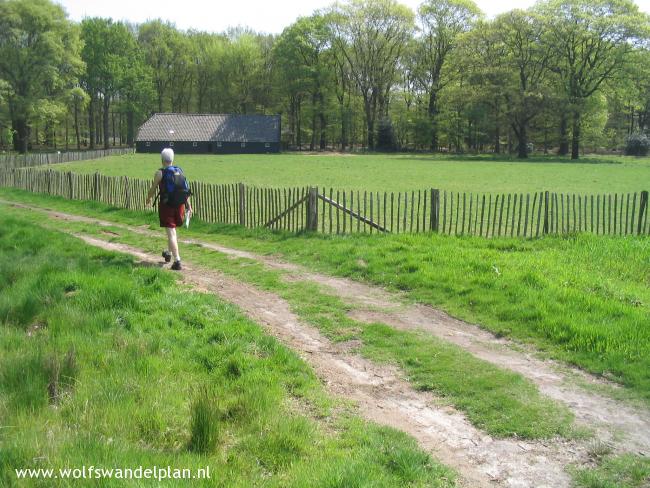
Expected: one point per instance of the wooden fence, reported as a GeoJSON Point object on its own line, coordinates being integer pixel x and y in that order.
{"type": "Point", "coordinates": [344, 212]}
{"type": "Point", "coordinates": [40, 159]}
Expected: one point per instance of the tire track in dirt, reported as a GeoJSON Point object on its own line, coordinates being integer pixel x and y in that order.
{"type": "Point", "coordinates": [383, 396]}
{"type": "Point", "coordinates": [623, 427]}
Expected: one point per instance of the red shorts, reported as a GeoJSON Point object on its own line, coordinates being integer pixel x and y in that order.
{"type": "Point", "coordinates": [170, 216]}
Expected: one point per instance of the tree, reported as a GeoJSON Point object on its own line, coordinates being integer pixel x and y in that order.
{"type": "Point", "coordinates": [441, 22]}
{"type": "Point", "coordinates": [487, 79]}
{"type": "Point", "coordinates": [248, 74]}
{"type": "Point", "coordinates": [77, 101]}
{"type": "Point", "coordinates": [137, 94]}
{"type": "Point", "coordinates": [39, 61]}
{"type": "Point", "coordinates": [590, 41]}
{"type": "Point", "coordinates": [520, 33]}
{"type": "Point", "coordinates": [181, 71]}
{"type": "Point", "coordinates": [305, 45]}
{"type": "Point", "coordinates": [635, 87]}
{"type": "Point", "coordinates": [293, 79]}
{"type": "Point", "coordinates": [210, 73]}
{"type": "Point", "coordinates": [109, 52]}
{"type": "Point", "coordinates": [155, 40]}
{"type": "Point", "coordinates": [371, 35]}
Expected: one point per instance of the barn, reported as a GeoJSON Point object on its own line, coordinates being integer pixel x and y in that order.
{"type": "Point", "coordinates": [210, 133]}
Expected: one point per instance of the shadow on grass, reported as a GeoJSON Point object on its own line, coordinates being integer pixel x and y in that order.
{"type": "Point", "coordinates": [501, 158]}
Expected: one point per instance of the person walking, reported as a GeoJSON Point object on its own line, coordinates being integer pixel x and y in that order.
{"type": "Point", "coordinates": [173, 203]}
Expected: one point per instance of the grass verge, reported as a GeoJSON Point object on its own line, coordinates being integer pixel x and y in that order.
{"type": "Point", "coordinates": [108, 364]}
{"type": "Point", "coordinates": [616, 472]}
{"type": "Point", "coordinates": [496, 400]}
{"type": "Point", "coordinates": [582, 299]}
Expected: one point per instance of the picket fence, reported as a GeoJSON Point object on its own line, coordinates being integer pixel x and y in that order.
{"type": "Point", "coordinates": [332, 211]}
{"type": "Point", "coordinates": [41, 159]}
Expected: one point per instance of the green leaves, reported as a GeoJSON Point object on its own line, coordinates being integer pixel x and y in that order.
{"type": "Point", "coordinates": [39, 59]}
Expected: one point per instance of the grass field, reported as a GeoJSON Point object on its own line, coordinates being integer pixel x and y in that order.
{"type": "Point", "coordinates": [502, 403]}
{"type": "Point", "coordinates": [394, 172]}
{"type": "Point", "coordinates": [583, 299]}
{"type": "Point", "coordinates": [94, 370]}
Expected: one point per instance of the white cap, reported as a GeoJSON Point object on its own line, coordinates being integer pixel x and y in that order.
{"type": "Point", "coordinates": [167, 155]}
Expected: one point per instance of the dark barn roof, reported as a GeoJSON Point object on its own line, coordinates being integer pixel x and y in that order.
{"type": "Point", "coordinates": [210, 127]}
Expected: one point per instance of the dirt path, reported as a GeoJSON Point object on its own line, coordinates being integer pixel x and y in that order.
{"type": "Point", "coordinates": [385, 397]}
{"type": "Point", "coordinates": [624, 427]}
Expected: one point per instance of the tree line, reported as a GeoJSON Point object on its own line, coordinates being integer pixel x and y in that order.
{"type": "Point", "coordinates": [562, 76]}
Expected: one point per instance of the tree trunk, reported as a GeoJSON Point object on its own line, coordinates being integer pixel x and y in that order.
{"type": "Point", "coordinates": [312, 143]}
{"type": "Point", "coordinates": [370, 105]}
{"type": "Point", "coordinates": [575, 139]}
{"type": "Point", "coordinates": [522, 140]}
{"type": "Point", "coordinates": [322, 123]}
{"type": "Point", "coordinates": [106, 115]}
{"type": "Point", "coordinates": [371, 134]}
{"type": "Point", "coordinates": [497, 129]}
{"type": "Point", "coordinates": [129, 127]}
{"type": "Point", "coordinates": [292, 119]}
{"type": "Point", "coordinates": [344, 139]}
{"type": "Point", "coordinates": [76, 124]}
{"type": "Point", "coordinates": [564, 135]}
{"type": "Point", "coordinates": [100, 125]}
{"type": "Point", "coordinates": [433, 119]}
{"type": "Point", "coordinates": [91, 122]}
{"type": "Point", "coordinates": [298, 124]}
{"type": "Point", "coordinates": [49, 135]}
{"type": "Point", "coordinates": [323, 134]}
{"type": "Point", "coordinates": [21, 135]}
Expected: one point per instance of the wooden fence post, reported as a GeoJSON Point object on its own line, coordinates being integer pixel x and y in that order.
{"type": "Point", "coordinates": [127, 194]}
{"type": "Point", "coordinates": [643, 208]}
{"type": "Point", "coordinates": [312, 209]}
{"type": "Point", "coordinates": [96, 187]}
{"type": "Point", "coordinates": [435, 209]}
{"type": "Point", "coordinates": [242, 205]}
{"type": "Point", "coordinates": [70, 184]}
{"type": "Point", "coordinates": [545, 230]}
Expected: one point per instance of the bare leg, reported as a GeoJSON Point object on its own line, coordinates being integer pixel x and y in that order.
{"type": "Point", "coordinates": [173, 243]}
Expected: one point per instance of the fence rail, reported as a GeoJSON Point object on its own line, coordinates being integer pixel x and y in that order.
{"type": "Point", "coordinates": [346, 212]}
{"type": "Point", "coordinates": [40, 159]}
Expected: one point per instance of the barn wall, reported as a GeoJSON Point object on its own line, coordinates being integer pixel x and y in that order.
{"type": "Point", "coordinates": [250, 148]}
{"type": "Point", "coordinates": [182, 147]}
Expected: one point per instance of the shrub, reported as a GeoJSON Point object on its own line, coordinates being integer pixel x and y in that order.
{"type": "Point", "coordinates": [637, 145]}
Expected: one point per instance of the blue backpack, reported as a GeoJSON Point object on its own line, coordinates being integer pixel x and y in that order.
{"type": "Point", "coordinates": [175, 188]}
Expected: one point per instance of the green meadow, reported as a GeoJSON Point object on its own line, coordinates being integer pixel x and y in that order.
{"type": "Point", "coordinates": [394, 172]}
{"type": "Point", "coordinates": [112, 378]}
{"type": "Point", "coordinates": [583, 299]}
{"type": "Point", "coordinates": [107, 363]}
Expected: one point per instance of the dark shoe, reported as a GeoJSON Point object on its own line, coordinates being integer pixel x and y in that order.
{"type": "Point", "coordinates": [177, 266]}
{"type": "Point", "coordinates": [167, 255]}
